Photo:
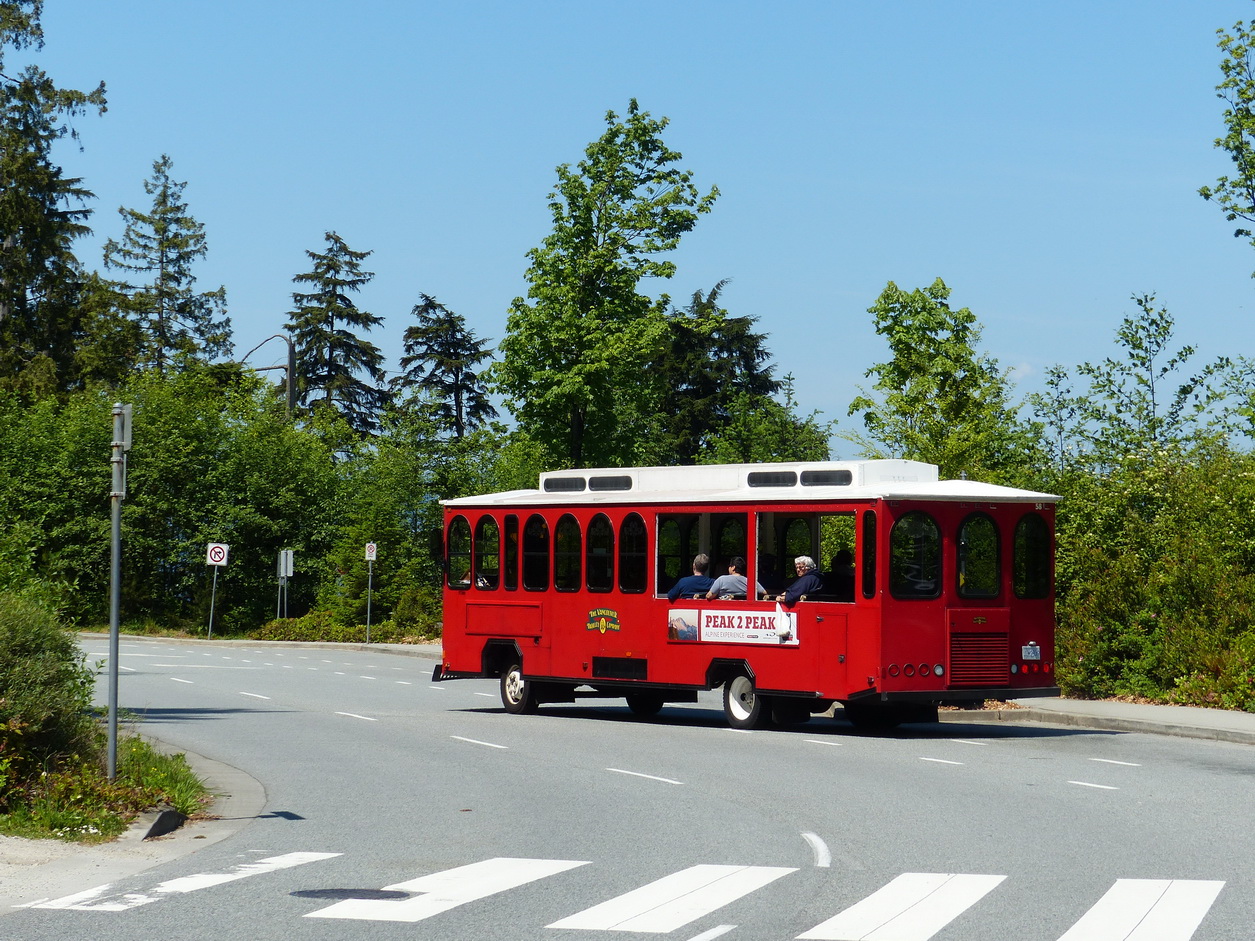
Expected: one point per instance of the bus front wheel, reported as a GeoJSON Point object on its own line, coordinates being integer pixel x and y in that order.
{"type": "Point", "coordinates": [517, 694]}
{"type": "Point", "coordinates": [741, 703]}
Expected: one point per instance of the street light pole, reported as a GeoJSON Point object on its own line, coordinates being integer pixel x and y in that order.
{"type": "Point", "coordinates": [120, 445]}
{"type": "Point", "coordinates": [290, 367]}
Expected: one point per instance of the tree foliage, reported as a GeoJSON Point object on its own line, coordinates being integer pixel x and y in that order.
{"type": "Point", "coordinates": [712, 367]}
{"type": "Point", "coordinates": [575, 353]}
{"type": "Point", "coordinates": [177, 324]}
{"type": "Point", "coordinates": [331, 355]}
{"type": "Point", "coordinates": [42, 213]}
{"type": "Point", "coordinates": [939, 399]}
{"type": "Point", "coordinates": [1235, 195]}
{"type": "Point", "coordinates": [441, 358]}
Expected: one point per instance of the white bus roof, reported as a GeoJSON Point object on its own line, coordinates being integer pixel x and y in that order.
{"type": "Point", "coordinates": [752, 483]}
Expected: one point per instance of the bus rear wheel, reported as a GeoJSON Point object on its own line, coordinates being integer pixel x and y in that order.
{"type": "Point", "coordinates": [644, 704]}
{"type": "Point", "coordinates": [517, 694]}
{"type": "Point", "coordinates": [741, 703]}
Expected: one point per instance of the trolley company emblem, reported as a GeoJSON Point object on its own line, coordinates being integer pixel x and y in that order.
{"type": "Point", "coordinates": [603, 619]}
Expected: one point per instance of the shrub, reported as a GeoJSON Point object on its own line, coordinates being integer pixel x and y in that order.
{"type": "Point", "coordinates": [45, 693]}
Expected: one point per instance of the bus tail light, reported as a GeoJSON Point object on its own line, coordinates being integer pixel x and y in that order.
{"type": "Point", "coordinates": [939, 670]}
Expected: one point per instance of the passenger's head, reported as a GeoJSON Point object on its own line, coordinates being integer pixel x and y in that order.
{"type": "Point", "coordinates": [804, 564]}
{"type": "Point", "coordinates": [700, 561]}
{"type": "Point", "coordinates": [737, 565]}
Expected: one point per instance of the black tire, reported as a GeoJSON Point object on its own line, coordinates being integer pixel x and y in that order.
{"type": "Point", "coordinates": [644, 704]}
{"type": "Point", "coordinates": [789, 712]}
{"type": "Point", "coordinates": [518, 695]}
{"type": "Point", "coordinates": [741, 703]}
{"type": "Point", "coordinates": [871, 717]}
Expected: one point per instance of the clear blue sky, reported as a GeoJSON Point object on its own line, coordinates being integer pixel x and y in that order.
{"type": "Point", "coordinates": [1042, 158]}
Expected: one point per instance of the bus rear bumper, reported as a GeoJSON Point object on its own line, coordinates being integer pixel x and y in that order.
{"type": "Point", "coordinates": [956, 696]}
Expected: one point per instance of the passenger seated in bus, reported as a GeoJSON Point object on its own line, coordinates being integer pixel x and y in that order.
{"type": "Point", "coordinates": [839, 582]}
{"type": "Point", "coordinates": [808, 582]}
{"type": "Point", "coordinates": [691, 586]}
{"type": "Point", "coordinates": [733, 585]}
{"type": "Point", "coordinates": [767, 576]}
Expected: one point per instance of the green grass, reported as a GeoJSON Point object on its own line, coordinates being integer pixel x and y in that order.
{"type": "Point", "coordinates": [78, 803]}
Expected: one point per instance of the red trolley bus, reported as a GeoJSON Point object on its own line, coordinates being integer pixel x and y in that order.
{"type": "Point", "coordinates": [943, 592]}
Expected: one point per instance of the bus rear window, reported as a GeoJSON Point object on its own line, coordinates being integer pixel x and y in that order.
{"type": "Point", "coordinates": [915, 557]}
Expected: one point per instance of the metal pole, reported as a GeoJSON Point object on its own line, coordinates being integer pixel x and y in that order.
{"type": "Point", "coordinates": [370, 576]}
{"type": "Point", "coordinates": [118, 460]}
{"type": "Point", "coordinates": [213, 595]}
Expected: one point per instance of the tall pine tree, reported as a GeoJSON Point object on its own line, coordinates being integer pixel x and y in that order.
{"type": "Point", "coordinates": [331, 357]}
{"type": "Point", "coordinates": [441, 356]}
{"type": "Point", "coordinates": [42, 212]}
{"type": "Point", "coordinates": [178, 324]}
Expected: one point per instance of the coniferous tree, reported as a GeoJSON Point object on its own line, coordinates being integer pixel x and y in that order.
{"type": "Point", "coordinates": [41, 212]}
{"type": "Point", "coordinates": [330, 356]}
{"type": "Point", "coordinates": [711, 362]}
{"type": "Point", "coordinates": [441, 354]}
{"type": "Point", "coordinates": [177, 324]}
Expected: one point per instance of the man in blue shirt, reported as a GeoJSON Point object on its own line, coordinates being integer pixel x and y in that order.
{"type": "Point", "coordinates": [692, 585]}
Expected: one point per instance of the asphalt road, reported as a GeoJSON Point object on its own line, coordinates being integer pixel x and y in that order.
{"type": "Point", "coordinates": [398, 808]}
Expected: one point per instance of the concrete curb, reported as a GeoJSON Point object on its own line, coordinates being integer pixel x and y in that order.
{"type": "Point", "coordinates": [1044, 716]}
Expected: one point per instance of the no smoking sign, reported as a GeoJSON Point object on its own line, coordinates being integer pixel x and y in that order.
{"type": "Point", "coordinates": [217, 554]}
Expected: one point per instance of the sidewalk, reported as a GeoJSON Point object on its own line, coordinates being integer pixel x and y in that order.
{"type": "Point", "coordinates": [1219, 725]}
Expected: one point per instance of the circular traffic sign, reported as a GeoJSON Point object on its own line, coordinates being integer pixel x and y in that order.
{"type": "Point", "coordinates": [217, 554]}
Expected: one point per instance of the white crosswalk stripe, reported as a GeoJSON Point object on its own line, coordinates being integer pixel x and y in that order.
{"type": "Point", "coordinates": [675, 900]}
{"type": "Point", "coordinates": [442, 891]}
{"type": "Point", "coordinates": [913, 907]}
{"type": "Point", "coordinates": [1147, 910]}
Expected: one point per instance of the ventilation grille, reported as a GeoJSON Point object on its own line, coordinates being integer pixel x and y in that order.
{"type": "Point", "coordinates": [979, 659]}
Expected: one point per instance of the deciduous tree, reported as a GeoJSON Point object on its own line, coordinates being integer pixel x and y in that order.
{"type": "Point", "coordinates": [938, 399]}
{"type": "Point", "coordinates": [575, 353]}
{"type": "Point", "coordinates": [1235, 195]}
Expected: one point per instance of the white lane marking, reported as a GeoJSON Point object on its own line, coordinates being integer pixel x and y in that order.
{"type": "Point", "coordinates": [712, 933]}
{"type": "Point", "coordinates": [651, 777]}
{"type": "Point", "coordinates": [1103, 787]}
{"type": "Point", "coordinates": [448, 889]}
{"type": "Point", "coordinates": [354, 715]}
{"type": "Point", "coordinates": [254, 695]}
{"type": "Point", "coordinates": [365, 677]}
{"type": "Point", "coordinates": [475, 741]}
{"type": "Point", "coordinates": [489, 695]}
{"type": "Point", "coordinates": [439, 689]}
{"type": "Point", "coordinates": [1112, 761]}
{"type": "Point", "coordinates": [129, 669]}
{"type": "Point", "coordinates": [95, 900]}
{"type": "Point", "coordinates": [968, 741]}
{"type": "Point", "coordinates": [820, 741]}
{"type": "Point", "coordinates": [913, 907]}
{"type": "Point", "coordinates": [1147, 910]}
{"type": "Point", "coordinates": [942, 761]}
{"type": "Point", "coordinates": [404, 683]}
{"type": "Point", "coordinates": [823, 857]}
{"type": "Point", "coordinates": [742, 731]}
{"type": "Point", "coordinates": [675, 900]}
{"type": "Point", "coordinates": [177, 680]}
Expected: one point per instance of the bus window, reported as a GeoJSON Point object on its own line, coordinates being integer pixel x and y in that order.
{"type": "Point", "coordinates": [836, 555]}
{"type": "Point", "coordinates": [599, 554]}
{"type": "Point", "coordinates": [633, 555]}
{"type": "Point", "coordinates": [536, 554]}
{"type": "Point", "coordinates": [915, 556]}
{"type": "Point", "coordinates": [797, 541]}
{"type": "Point", "coordinates": [487, 553]}
{"type": "Point", "coordinates": [675, 548]}
{"type": "Point", "coordinates": [458, 558]}
{"type": "Point", "coordinates": [730, 539]}
{"type": "Point", "coordinates": [566, 554]}
{"type": "Point", "coordinates": [1031, 565]}
{"type": "Point", "coordinates": [978, 570]}
{"type": "Point", "coordinates": [869, 554]}
{"type": "Point", "coordinates": [511, 552]}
